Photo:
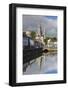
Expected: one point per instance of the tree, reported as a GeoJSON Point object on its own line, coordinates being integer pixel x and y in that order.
{"type": "Point", "coordinates": [54, 39]}
{"type": "Point", "coordinates": [33, 34]}
{"type": "Point", "coordinates": [45, 41]}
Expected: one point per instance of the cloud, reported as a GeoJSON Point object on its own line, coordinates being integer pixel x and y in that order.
{"type": "Point", "coordinates": [32, 22]}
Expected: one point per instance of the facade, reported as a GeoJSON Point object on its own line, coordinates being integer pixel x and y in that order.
{"type": "Point", "coordinates": [39, 35]}
{"type": "Point", "coordinates": [52, 44]}
{"type": "Point", "coordinates": [27, 42]}
{"type": "Point", "coordinates": [37, 42]}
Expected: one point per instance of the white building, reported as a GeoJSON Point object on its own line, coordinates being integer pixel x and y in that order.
{"type": "Point", "coordinates": [52, 44]}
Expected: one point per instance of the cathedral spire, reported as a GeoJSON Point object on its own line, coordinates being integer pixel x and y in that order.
{"type": "Point", "coordinates": [41, 30]}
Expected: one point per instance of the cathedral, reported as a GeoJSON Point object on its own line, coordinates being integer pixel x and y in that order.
{"type": "Point", "coordinates": [40, 35]}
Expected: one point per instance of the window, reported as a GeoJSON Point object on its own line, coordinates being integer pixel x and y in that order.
{"type": "Point", "coordinates": [31, 42]}
{"type": "Point", "coordinates": [25, 41]}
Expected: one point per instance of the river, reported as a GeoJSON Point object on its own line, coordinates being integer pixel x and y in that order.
{"type": "Point", "coordinates": [45, 64]}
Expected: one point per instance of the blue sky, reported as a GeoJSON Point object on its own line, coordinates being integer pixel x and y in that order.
{"type": "Point", "coordinates": [51, 17]}
{"type": "Point", "coordinates": [52, 31]}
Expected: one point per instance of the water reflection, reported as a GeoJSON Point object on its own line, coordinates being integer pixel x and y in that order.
{"type": "Point", "coordinates": [45, 64]}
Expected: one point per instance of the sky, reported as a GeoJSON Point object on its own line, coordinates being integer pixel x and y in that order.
{"type": "Point", "coordinates": [48, 24]}
{"type": "Point", "coordinates": [51, 17]}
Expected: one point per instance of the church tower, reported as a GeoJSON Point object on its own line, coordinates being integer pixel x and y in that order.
{"type": "Point", "coordinates": [39, 35]}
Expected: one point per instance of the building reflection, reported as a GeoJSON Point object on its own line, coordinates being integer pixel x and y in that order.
{"type": "Point", "coordinates": [41, 65]}
{"type": "Point", "coordinates": [37, 60]}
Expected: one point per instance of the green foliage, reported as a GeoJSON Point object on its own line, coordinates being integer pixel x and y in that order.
{"type": "Point", "coordinates": [45, 41]}
{"type": "Point", "coordinates": [53, 39]}
{"type": "Point", "coordinates": [33, 34]}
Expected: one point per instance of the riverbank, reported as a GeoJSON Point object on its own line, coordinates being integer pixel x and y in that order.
{"type": "Point", "coordinates": [50, 50]}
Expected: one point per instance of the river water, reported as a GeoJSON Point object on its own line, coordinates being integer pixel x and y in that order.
{"type": "Point", "coordinates": [45, 64]}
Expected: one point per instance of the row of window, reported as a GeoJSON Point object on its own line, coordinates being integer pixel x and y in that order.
{"type": "Point", "coordinates": [29, 42]}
